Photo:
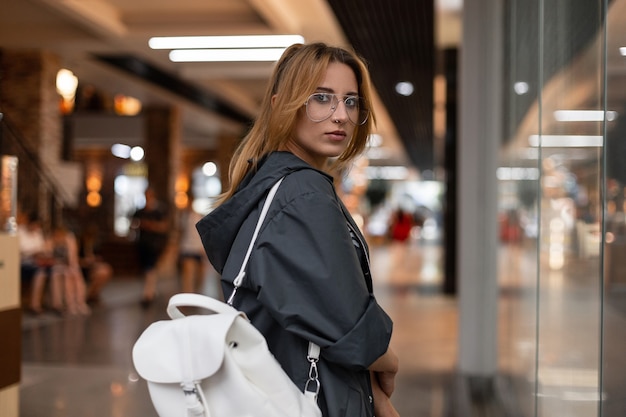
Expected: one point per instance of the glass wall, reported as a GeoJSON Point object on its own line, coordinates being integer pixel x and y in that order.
{"type": "Point", "coordinates": [614, 221]}
{"type": "Point", "coordinates": [561, 202]}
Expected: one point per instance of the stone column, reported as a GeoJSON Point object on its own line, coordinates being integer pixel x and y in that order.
{"type": "Point", "coordinates": [162, 145]}
{"type": "Point", "coordinates": [479, 142]}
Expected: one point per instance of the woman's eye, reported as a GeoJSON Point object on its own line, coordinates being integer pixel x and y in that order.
{"type": "Point", "coordinates": [322, 98]}
{"type": "Point", "coordinates": [351, 102]}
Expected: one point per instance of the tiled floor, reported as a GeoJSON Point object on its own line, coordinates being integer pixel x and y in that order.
{"type": "Point", "coordinates": [81, 366]}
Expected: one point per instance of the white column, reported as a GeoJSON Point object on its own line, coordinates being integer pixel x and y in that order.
{"type": "Point", "coordinates": [480, 117]}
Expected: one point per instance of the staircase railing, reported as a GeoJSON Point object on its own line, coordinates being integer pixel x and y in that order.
{"type": "Point", "coordinates": [37, 189]}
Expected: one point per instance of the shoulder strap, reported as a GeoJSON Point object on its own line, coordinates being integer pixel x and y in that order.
{"type": "Point", "coordinates": [312, 387]}
{"type": "Point", "coordinates": [242, 271]}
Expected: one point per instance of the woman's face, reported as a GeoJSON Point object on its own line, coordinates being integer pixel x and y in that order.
{"type": "Point", "coordinates": [315, 142]}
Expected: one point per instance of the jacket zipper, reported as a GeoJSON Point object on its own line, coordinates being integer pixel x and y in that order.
{"type": "Point", "coordinates": [358, 236]}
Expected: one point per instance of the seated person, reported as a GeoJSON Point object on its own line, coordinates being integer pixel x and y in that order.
{"type": "Point", "coordinates": [35, 263]}
{"type": "Point", "coordinates": [66, 267]}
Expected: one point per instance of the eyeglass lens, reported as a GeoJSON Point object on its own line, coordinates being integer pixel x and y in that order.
{"type": "Point", "coordinates": [320, 106]}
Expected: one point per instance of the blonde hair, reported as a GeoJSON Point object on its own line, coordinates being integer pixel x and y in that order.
{"type": "Point", "coordinates": [296, 76]}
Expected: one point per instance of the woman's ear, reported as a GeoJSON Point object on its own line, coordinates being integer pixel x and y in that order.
{"type": "Point", "coordinates": [273, 99]}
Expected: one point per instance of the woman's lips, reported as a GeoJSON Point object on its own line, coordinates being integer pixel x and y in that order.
{"type": "Point", "coordinates": [337, 135]}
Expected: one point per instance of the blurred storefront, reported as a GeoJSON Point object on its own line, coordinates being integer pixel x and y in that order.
{"type": "Point", "coordinates": [562, 256]}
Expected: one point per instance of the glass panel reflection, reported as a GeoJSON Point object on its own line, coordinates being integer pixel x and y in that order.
{"type": "Point", "coordinates": [551, 189]}
{"type": "Point", "coordinates": [518, 183]}
{"type": "Point", "coordinates": [614, 249]}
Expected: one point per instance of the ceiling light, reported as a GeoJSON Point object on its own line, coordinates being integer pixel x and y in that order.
{"type": "Point", "coordinates": [224, 42]}
{"type": "Point", "coordinates": [584, 115]}
{"type": "Point", "coordinates": [209, 169]}
{"type": "Point", "coordinates": [226, 55]}
{"type": "Point", "coordinates": [565, 141]}
{"type": "Point", "coordinates": [121, 151]}
{"type": "Point", "coordinates": [137, 153]}
{"type": "Point", "coordinates": [520, 88]}
{"type": "Point", "coordinates": [404, 88]}
{"type": "Point", "coordinates": [622, 50]}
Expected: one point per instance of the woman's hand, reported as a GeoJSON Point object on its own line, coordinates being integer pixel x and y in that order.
{"type": "Point", "coordinates": [382, 403]}
{"type": "Point", "coordinates": [386, 381]}
{"type": "Point", "coordinates": [384, 371]}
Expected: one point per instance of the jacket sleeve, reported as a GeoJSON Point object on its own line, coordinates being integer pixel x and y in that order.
{"type": "Point", "coordinates": [307, 274]}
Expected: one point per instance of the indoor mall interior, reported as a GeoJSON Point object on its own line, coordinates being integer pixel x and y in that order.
{"type": "Point", "coordinates": [500, 132]}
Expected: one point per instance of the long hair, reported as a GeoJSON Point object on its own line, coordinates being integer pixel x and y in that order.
{"type": "Point", "coordinates": [296, 76]}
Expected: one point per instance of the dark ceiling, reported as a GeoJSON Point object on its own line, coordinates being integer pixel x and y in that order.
{"type": "Point", "coordinates": [396, 38]}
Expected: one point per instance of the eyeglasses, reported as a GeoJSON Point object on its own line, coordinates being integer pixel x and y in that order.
{"type": "Point", "coordinates": [320, 106]}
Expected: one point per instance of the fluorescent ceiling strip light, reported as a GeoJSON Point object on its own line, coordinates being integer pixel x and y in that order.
{"type": "Point", "coordinates": [224, 42]}
{"type": "Point", "coordinates": [517, 173]}
{"type": "Point", "coordinates": [622, 50]}
{"type": "Point", "coordinates": [565, 141]}
{"type": "Point", "coordinates": [584, 115]}
{"type": "Point", "coordinates": [226, 55]}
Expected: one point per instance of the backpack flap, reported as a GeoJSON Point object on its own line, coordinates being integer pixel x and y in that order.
{"type": "Point", "coordinates": [183, 350]}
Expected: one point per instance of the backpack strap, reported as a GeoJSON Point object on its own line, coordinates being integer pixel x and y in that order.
{"type": "Point", "coordinates": [242, 271]}
{"type": "Point", "coordinates": [312, 386]}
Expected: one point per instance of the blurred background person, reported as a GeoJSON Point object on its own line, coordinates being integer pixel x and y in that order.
{"type": "Point", "coordinates": [35, 263]}
{"type": "Point", "coordinates": [152, 228]}
{"type": "Point", "coordinates": [402, 223]}
{"type": "Point", "coordinates": [95, 270]}
{"type": "Point", "coordinates": [191, 256]}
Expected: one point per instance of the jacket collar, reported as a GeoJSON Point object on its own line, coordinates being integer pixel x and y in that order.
{"type": "Point", "coordinates": [219, 228]}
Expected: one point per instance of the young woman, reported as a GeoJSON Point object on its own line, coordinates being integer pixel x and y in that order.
{"type": "Point", "coordinates": [308, 278]}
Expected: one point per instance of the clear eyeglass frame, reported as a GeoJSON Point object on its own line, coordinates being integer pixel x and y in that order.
{"type": "Point", "coordinates": [321, 106]}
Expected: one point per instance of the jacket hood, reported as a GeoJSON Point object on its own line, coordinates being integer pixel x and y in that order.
{"type": "Point", "coordinates": [219, 228]}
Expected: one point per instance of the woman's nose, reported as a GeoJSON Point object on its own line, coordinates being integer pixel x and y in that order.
{"type": "Point", "coordinates": [341, 111]}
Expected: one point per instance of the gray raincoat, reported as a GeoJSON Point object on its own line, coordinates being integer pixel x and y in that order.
{"type": "Point", "coordinates": [308, 279]}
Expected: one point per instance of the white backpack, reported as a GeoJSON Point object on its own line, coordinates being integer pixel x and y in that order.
{"type": "Point", "coordinates": [218, 364]}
